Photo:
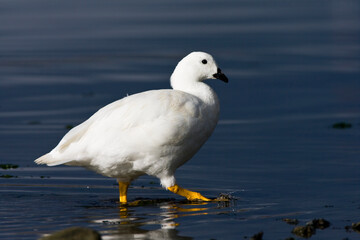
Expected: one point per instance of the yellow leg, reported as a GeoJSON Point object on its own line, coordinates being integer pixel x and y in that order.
{"type": "Point", "coordinates": [188, 194]}
{"type": "Point", "coordinates": [123, 187]}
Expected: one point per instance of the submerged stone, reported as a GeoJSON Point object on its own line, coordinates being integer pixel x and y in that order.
{"type": "Point", "coordinates": [7, 176]}
{"type": "Point", "coordinates": [224, 197]}
{"type": "Point", "coordinates": [356, 226]}
{"type": "Point", "coordinates": [291, 221]}
{"type": "Point", "coordinates": [257, 236]}
{"type": "Point", "coordinates": [342, 125]}
{"type": "Point", "coordinates": [8, 166]}
{"type": "Point", "coordinates": [74, 233]}
{"type": "Point", "coordinates": [304, 231]}
{"type": "Point", "coordinates": [319, 223]}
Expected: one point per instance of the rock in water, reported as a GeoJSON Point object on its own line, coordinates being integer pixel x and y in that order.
{"type": "Point", "coordinates": [74, 233]}
{"type": "Point", "coordinates": [304, 231]}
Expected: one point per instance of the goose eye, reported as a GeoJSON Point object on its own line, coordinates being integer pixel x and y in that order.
{"type": "Point", "coordinates": [204, 61]}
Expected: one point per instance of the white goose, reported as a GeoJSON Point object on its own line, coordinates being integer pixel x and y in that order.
{"type": "Point", "coordinates": [152, 132]}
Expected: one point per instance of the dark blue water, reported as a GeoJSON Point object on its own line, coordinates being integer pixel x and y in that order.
{"type": "Point", "coordinates": [294, 70]}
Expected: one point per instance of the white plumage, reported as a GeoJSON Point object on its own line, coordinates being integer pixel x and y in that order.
{"type": "Point", "coordinates": [152, 132]}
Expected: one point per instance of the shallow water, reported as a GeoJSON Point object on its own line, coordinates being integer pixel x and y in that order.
{"type": "Point", "coordinates": [294, 69]}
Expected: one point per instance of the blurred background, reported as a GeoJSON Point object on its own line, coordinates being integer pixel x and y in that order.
{"type": "Point", "coordinates": [287, 144]}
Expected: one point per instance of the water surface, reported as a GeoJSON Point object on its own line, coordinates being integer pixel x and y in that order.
{"type": "Point", "coordinates": [294, 72]}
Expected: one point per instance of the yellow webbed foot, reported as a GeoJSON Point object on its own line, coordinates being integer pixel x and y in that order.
{"type": "Point", "coordinates": [190, 195]}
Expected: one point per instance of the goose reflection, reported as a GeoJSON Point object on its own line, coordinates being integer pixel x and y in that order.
{"type": "Point", "coordinates": [162, 214]}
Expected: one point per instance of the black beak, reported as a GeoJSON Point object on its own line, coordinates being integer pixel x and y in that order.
{"type": "Point", "coordinates": [219, 75]}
